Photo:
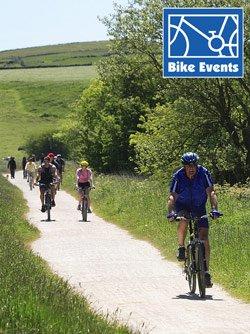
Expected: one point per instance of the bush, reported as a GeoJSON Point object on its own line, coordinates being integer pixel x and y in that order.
{"type": "Point", "coordinates": [45, 143]}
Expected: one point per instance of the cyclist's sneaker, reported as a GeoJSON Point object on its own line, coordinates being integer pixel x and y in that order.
{"type": "Point", "coordinates": [181, 256]}
{"type": "Point", "coordinates": [79, 207]}
{"type": "Point", "coordinates": [89, 210]}
{"type": "Point", "coordinates": [53, 203]}
{"type": "Point", "coordinates": [208, 282]}
{"type": "Point", "coordinates": [43, 209]}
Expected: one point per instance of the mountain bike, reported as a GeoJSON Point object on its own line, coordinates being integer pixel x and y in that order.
{"type": "Point", "coordinates": [195, 262]}
{"type": "Point", "coordinates": [84, 204]}
{"type": "Point", "coordinates": [47, 197]}
{"type": "Point", "coordinates": [60, 180]}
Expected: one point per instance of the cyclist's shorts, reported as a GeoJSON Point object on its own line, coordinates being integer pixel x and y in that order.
{"type": "Point", "coordinates": [203, 222]}
{"type": "Point", "coordinates": [31, 174]}
{"type": "Point", "coordinates": [43, 185]}
{"type": "Point", "coordinates": [84, 185]}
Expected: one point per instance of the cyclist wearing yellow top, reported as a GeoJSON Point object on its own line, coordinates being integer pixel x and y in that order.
{"type": "Point", "coordinates": [31, 169]}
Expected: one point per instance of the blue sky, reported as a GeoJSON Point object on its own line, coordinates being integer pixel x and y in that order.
{"type": "Point", "coordinates": [25, 23]}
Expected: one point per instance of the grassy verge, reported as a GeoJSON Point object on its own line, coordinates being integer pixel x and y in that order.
{"type": "Point", "coordinates": [32, 300]}
{"type": "Point", "coordinates": [139, 207]}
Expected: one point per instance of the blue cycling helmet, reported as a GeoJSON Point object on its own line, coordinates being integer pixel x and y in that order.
{"type": "Point", "coordinates": [189, 158]}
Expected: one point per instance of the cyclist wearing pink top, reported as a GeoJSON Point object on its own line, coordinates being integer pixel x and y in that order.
{"type": "Point", "coordinates": [84, 179]}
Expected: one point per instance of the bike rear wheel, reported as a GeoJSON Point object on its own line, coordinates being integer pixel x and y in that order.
{"type": "Point", "coordinates": [200, 266]}
{"type": "Point", "coordinates": [31, 182]}
{"type": "Point", "coordinates": [190, 269]}
{"type": "Point", "coordinates": [84, 209]}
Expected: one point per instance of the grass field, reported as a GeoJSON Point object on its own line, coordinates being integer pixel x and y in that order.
{"type": "Point", "coordinates": [55, 55]}
{"type": "Point", "coordinates": [77, 73]}
{"type": "Point", "coordinates": [139, 206]}
{"type": "Point", "coordinates": [35, 100]}
{"type": "Point", "coordinates": [32, 299]}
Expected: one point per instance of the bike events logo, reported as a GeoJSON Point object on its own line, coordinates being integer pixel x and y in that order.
{"type": "Point", "coordinates": [203, 43]}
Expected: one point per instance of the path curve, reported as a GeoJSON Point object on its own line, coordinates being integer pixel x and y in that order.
{"type": "Point", "coordinates": [127, 277]}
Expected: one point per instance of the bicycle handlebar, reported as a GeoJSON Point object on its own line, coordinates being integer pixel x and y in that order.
{"type": "Point", "coordinates": [45, 184]}
{"type": "Point", "coordinates": [177, 218]}
{"type": "Point", "coordinates": [79, 188]}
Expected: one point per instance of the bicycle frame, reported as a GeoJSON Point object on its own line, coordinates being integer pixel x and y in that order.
{"type": "Point", "coordinates": [195, 262]}
{"type": "Point", "coordinates": [84, 208]}
{"type": "Point", "coordinates": [47, 198]}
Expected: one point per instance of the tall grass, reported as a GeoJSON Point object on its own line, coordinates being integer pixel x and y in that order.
{"type": "Point", "coordinates": [139, 206]}
{"type": "Point", "coordinates": [32, 299]}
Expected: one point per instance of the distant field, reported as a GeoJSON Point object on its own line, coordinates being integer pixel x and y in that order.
{"type": "Point", "coordinates": [32, 101]}
{"type": "Point", "coordinates": [77, 73]}
{"type": "Point", "coordinates": [16, 123]}
{"type": "Point", "coordinates": [85, 53]}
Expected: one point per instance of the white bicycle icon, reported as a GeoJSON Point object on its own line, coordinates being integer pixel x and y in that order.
{"type": "Point", "coordinates": [215, 41]}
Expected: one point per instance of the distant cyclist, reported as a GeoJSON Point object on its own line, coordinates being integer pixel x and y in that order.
{"type": "Point", "coordinates": [42, 157]}
{"type": "Point", "coordinates": [31, 169]}
{"type": "Point", "coordinates": [55, 163]}
{"type": "Point", "coordinates": [46, 174]}
{"type": "Point", "coordinates": [191, 186]}
{"type": "Point", "coordinates": [52, 159]}
{"type": "Point", "coordinates": [84, 179]}
{"type": "Point", "coordinates": [60, 166]}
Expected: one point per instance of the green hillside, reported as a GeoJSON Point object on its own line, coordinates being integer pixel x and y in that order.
{"type": "Point", "coordinates": [71, 54]}
{"type": "Point", "coordinates": [33, 100]}
{"type": "Point", "coordinates": [60, 74]}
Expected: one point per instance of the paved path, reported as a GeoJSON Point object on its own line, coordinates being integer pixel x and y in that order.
{"type": "Point", "coordinates": [127, 277]}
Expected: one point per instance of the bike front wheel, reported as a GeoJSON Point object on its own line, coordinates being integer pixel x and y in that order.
{"type": "Point", "coordinates": [48, 205]}
{"type": "Point", "coordinates": [200, 266]}
{"type": "Point", "coordinates": [31, 182]}
{"type": "Point", "coordinates": [84, 209]}
{"type": "Point", "coordinates": [190, 269]}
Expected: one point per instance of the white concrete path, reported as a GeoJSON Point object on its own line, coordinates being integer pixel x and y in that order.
{"type": "Point", "coordinates": [127, 277]}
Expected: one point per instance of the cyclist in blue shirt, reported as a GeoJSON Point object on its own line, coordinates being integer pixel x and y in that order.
{"type": "Point", "coordinates": [190, 188]}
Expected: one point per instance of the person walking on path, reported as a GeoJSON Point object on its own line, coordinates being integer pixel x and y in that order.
{"type": "Point", "coordinates": [24, 161]}
{"type": "Point", "coordinates": [12, 167]}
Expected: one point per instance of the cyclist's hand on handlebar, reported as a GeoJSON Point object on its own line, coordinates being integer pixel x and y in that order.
{"type": "Point", "coordinates": [171, 216]}
{"type": "Point", "coordinates": [214, 214]}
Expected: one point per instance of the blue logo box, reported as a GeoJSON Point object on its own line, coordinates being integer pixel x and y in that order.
{"type": "Point", "coordinates": [203, 43]}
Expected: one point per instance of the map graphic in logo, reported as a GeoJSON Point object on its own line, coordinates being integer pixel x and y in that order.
{"type": "Point", "coordinates": [203, 42]}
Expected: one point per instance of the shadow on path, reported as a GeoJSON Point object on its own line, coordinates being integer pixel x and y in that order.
{"type": "Point", "coordinates": [194, 296]}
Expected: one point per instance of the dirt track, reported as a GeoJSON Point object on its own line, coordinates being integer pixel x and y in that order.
{"type": "Point", "coordinates": [127, 277]}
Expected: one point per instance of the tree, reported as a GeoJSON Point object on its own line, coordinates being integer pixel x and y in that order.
{"type": "Point", "coordinates": [100, 126]}
{"type": "Point", "coordinates": [217, 110]}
